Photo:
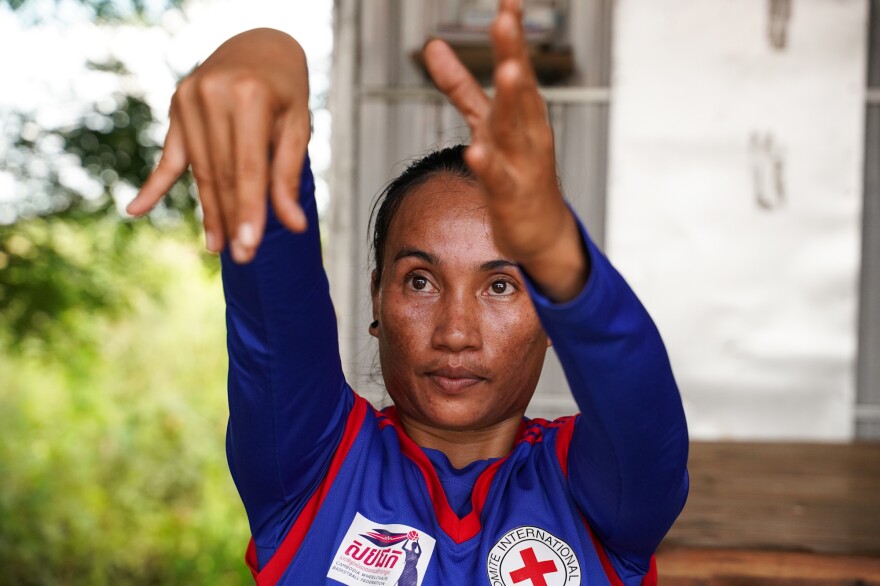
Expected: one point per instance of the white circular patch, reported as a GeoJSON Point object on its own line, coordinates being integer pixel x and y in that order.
{"type": "Point", "coordinates": [531, 556]}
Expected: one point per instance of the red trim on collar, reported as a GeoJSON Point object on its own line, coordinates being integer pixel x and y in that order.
{"type": "Point", "coordinates": [459, 529]}
{"type": "Point", "coordinates": [563, 441]}
{"type": "Point", "coordinates": [275, 568]}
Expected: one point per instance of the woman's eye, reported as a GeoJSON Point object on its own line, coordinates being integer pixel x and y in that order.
{"type": "Point", "coordinates": [501, 287]}
{"type": "Point", "coordinates": [419, 283]}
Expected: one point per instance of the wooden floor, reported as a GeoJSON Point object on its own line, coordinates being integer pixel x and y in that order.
{"type": "Point", "coordinates": [777, 514]}
{"type": "Point", "coordinates": [719, 567]}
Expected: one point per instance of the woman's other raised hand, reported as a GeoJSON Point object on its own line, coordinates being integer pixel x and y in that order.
{"type": "Point", "coordinates": [512, 155]}
{"type": "Point", "coordinates": [241, 121]}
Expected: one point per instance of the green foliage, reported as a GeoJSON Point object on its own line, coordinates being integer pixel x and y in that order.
{"type": "Point", "coordinates": [111, 142]}
{"type": "Point", "coordinates": [55, 275]}
{"type": "Point", "coordinates": [68, 251]}
{"type": "Point", "coordinates": [114, 472]}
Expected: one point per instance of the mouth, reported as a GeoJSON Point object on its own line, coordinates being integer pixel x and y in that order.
{"type": "Point", "coordinates": [454, 380]}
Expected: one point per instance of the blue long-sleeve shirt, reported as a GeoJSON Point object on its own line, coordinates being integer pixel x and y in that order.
{"type": "Point", "coordinates": [289, 400]}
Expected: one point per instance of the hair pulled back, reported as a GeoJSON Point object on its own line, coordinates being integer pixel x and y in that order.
{"type": "Point", "coordinates": [447, 161]}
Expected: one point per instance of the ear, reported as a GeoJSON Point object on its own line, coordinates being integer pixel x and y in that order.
{"type": "Point", "coordinates": [374, 295]}
{"type": "Point", "coordinates": [549, 342]}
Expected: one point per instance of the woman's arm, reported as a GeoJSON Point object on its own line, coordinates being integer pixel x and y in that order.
{"type": "Point", "coordinates": [288, 401]}
{"type": "Point", "coordinates": [627, 462]}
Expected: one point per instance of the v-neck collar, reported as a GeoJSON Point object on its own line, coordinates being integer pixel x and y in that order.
{"type": "Point", "coordinates": [459, 529]}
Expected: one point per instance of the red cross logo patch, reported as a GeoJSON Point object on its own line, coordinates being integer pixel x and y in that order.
{"type": "Point", "coordinates": [531, 556]}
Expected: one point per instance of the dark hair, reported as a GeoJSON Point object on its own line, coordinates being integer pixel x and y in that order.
{"type": "Point", "coordinates": [449, 161]}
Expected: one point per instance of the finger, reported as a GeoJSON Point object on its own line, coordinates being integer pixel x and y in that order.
{"type": "Point", "coordinates": [212, 220]}
{"type": "Point", "coordinates": [171, 166]}
{"type": "Point", "coordinates": [214, 124]}
{"type": "Point", "coordinates": [185, 106]}
{"type": "Point", "coordinates": [211, 197]}
{"type": "Point", "coordinates": [509, 45]}
{"type": "Point", "coordinates": [513, 6]}
{"type": "Point", "coordinates": [290, 151]}
{"type": "Point", "coordinates": [490, 168]}
{"type": "Point", "coordinates": [508, 36]}
{"type": "Point", "coordinates": [252, 132]}
{"type": "Point", "coordinates": [506, 123]}
{"type": "Point", "coordinates": [515, 81]}
{"type": "Point", "coordinates": [456, 82]}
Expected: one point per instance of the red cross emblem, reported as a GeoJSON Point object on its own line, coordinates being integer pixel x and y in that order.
{"type": "Point", "coordinates": [533, 569]}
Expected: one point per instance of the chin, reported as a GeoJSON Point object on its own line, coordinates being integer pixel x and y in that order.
{"type": "Point", "coordinates": [464, 417]}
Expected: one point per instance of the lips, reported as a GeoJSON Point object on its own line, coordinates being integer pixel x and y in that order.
{"type": "Point", "coordinates": [454, 380]}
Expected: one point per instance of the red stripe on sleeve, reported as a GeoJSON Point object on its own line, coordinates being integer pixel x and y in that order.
{"type": "Point", "coordinates": [275, 568]}
{"type": "Point", "coordinates": [610, 572]}
{"type": "Point", "coordinates": [563, 442]}
{"type": "Point", "coordinates": [650, 578]}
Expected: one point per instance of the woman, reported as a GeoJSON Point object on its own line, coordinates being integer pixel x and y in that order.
{"type": "Point", "coordinates": [477, 261]}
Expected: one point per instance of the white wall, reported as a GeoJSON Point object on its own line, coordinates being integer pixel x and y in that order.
{"type": "Point", "coordinates": [735, 204]}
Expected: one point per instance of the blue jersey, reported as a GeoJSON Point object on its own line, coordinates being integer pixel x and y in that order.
{"type": "Point", "coordinates": [337, 493]}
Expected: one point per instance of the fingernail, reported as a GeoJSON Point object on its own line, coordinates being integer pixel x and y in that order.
{"type": "Point", "coordinates": [301, 216]}
{"type": "Point", "coordinates": [211, 242]}
{"type": "Point", "coordinates": [239, 253]}
{"type": "Point", "coordinates": [246, 235]}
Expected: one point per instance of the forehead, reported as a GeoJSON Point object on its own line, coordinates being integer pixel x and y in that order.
{"type": "Point", "coordinates": [445, 214]}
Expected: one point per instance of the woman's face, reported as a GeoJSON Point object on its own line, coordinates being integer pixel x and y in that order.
{"type": "Point", "coordinates": [460, 344]}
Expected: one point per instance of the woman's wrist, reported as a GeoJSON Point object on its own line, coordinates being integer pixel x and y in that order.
{"type": "Point", "coordinates": [561, 269]}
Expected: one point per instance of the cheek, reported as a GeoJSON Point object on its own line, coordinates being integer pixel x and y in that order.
{"type": "Point", "coordinates": [516, 336]}
{"type": "Point", "coordinates": [406, 319]}
{"type": "Point", "coordinates": [404, 328]}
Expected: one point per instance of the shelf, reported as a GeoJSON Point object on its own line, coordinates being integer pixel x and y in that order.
{"type": "Point", "coordinates": [553, 95]}
{"type": "Point", "coordinates": [551, 65]}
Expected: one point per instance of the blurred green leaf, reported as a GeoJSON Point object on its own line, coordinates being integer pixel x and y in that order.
{"type": "Point", "coordinates": [115, 473]}
{"type": "Point", "coordinates": [68, 251]}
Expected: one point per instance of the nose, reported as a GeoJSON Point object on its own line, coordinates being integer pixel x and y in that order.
{"type": "Point", "coordinates": [457, 324]}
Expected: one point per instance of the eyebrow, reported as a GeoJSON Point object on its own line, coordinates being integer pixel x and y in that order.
{"type": "Point", "coordinates": [416, 253]}
{"type": "Point", "coordinates": [494, 265]}
{"type": "Point", "coordinates": [486, 267]}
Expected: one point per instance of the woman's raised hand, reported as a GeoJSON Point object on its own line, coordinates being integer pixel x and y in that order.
{"type": "Point", "coordinates": [513, 157]}
{"type": "Point", "coordinates": [241, 120]}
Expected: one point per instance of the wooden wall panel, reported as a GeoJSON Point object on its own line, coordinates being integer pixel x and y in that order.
{"type": "Point", "coordinates": [796, 497]}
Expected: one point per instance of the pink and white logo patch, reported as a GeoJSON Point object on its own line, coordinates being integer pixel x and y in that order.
{"type": "Point", "coordinates": [381, 555]}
